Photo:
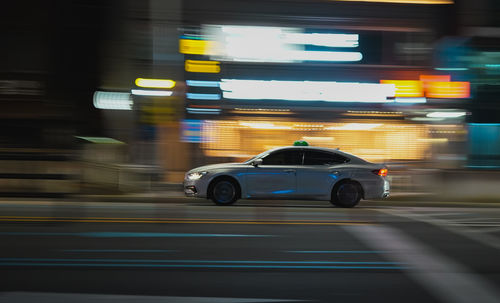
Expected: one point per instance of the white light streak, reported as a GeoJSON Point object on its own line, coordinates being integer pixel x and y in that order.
{"type": "Point", "coordinates": [325, 56]}
{"type": "Point", "coordinates": [307, 91]}
{"type": "Point", "coordinates": [263, 125]}
{"type": "Point", "coordinates": [278, 44]}
{"type": "Point", "coordinates": [204, 111]}
{"type": "Point", "coordinates": [355, 126]}
{"type": "Point", "coordinates": [446, 114]}
{"type": "Point", "coordinates": [156, 93]}
{"type": "Point", "coordinates": [410, 100]}
{"type": "Point", "coordinates": [329, 40]}
{"type": "Point", "coordinates": [112, 100]}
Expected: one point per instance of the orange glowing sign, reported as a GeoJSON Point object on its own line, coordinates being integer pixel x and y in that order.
{"type": "Point", "coordinates": [448, 89]}
{"type": "Point", "coordinates": [407, 88]}
{"type": "Point", "coordinates": [197, 66]}
{"type": "Point", "coordinates": [435, 78]}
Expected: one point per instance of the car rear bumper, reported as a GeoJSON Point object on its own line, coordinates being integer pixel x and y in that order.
{"type": "Point", "coordinates": [377, 190]}
{"type": "Point", "coordinates": [387, 188]}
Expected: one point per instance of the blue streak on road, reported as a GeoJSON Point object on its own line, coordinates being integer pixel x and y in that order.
{"type": "Point", "coordinates": [194, 261]}
{"type": "Point", "coordinates": [163, 235]}
{"type": "Point", "coordinates": [120, 250]}
{"type": "Point", "coordinates": [132, 235]}
{"type": "Point", "coordinates": [197, 266]}
{"type": "Point", "coordinates": [336, 251]}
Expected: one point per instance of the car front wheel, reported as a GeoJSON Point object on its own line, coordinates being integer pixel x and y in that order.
{"type": "Point", "coordinates": [346, 194]}
{"type": "Point", "coordinates": [224, 192]}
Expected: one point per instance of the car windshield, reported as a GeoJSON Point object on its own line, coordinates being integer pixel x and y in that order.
{"type": "Point", "coordinates": [255, 157]}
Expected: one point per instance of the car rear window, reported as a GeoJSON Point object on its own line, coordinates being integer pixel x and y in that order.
{"type": "Point", "coordinates": [314, 157]}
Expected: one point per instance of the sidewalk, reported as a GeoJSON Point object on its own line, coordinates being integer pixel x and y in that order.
{"type": "Point", "coordinates": [173, 193]}
{"type": "Point", "coordinates": [179, 197]}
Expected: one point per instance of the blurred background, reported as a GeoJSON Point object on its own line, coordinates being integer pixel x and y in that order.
{"type": "Point", "coordinates": [108, 96]}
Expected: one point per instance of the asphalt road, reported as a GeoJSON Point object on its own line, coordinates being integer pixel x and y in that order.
{"type": "Point", "coordinates": [187, 252]}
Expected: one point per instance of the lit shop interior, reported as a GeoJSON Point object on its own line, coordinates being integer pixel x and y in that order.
{"type": "Point", "coordinates": [331, 88]}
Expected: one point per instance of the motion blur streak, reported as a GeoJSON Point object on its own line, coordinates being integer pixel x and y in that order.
{"type": "Point", "coordinates": [279, 44]}
{"type": "Point", "coordinates": [154, 83]}
{"type": "Point", "coordinates": [196, 96]}
{"type": "Point", "coordinates": [197, 66]}
{"type": "Point", "coordinates": [201, 83]}
{"type": "Point", "coordinates": [48, 264]}
{"type": "Point", "coordinates": [330, 40]}
{"type": "Point", "coordinates": [112, 100]}
{"type": "Point", "coordinates": [206, 111]}
{"type": "Point", "coordinates": [329, 91]}
{"type": "Point", "coordinates": [196, 47]}
{"type": "Point", "coordinates": [157, 93]}
{"type": "Point", "coordinates": [406, 88]}
{"type": "Point", "coordinates": [446, 114]}
{"type": "Point", "coordinates": [404, 1]}
{"type": "Point", "coordinates": [448, 90]}
{"type": "Point", "coordinates": [374, 141]}
{"type": "Point", "coordinates": [434, 78]}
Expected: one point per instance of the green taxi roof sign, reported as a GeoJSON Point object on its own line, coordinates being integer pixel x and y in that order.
{"type": "Point", "coordinates": [300, 143]}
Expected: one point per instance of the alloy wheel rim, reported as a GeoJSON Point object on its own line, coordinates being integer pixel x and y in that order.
{"type": "Point", "coordinates": [224, 192]}
{"type": "Point", "coordinates": [347, 193]}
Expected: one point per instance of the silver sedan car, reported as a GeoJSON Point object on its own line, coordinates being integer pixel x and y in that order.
{"type": "Point", "coordinates": [293, 172]}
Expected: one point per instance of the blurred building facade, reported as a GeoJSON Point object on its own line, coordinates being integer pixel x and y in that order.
{"type": "Point", "coordinates": [441, 59]}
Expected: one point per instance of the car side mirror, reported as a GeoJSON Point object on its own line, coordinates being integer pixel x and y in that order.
{"type": "Point", "coordinates": [257, 162]}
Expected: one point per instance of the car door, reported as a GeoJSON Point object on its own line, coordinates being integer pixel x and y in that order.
{"type": "Point", "coordinates": [276, 177]}
{"type": "Point", "coordinates": [320, 171]}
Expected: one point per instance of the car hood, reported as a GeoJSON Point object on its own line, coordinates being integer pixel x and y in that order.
{"type": "Point", "coordinates": [212, 167]}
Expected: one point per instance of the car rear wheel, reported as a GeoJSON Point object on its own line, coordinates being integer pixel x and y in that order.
{"type": "Point", "coordinates": [224, 192]}
{"type": "Point", "coordinates": [346, 194]}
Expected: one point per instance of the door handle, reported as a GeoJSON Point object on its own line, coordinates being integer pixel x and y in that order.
{"type": "Point", "coordinates": [289, 170]}
{"type": "Point", "coordinates": [334, 172]}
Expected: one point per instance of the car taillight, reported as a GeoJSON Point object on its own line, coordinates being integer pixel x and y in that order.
{"type": "Point", "coordinates": [381, 172]}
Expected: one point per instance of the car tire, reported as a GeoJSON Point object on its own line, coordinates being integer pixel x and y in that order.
{"type": "Point", "coordinates": [224, 191]}
{"type": "Point", "coordinates": [346, 194]}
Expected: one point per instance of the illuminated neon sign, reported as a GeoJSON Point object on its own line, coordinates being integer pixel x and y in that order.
{"type": "Point", "coordinates": [307, 91]}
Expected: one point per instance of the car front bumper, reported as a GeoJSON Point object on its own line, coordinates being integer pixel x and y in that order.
{"type": "Point", "coordinates": [195, 188]}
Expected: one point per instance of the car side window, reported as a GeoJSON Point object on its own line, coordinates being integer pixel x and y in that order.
{"type": "Point", "coordinates": [314, 157]}
{"type": "Point", "coordinates": [283, 157]}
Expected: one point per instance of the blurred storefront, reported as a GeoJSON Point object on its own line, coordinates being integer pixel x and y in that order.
{"type": "Point", "coordinates": [254, 85]}
{"type": "Point", "coordinates": [368, 78]}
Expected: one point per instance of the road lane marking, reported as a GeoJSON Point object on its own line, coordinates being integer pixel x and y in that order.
{"type": "Point", "coordinates": [447, 280]}
{"type": "Point", "coordinates": [178, 221]}
{"type": "Point", "coordinates": [460, 229]}
{"type": "Point", "coordinates": [197, 266]}
{"type": "Point", "coordinates": [127, 234]}
{"type": "Point", "coordinates": [475, 224]}
{"type": "Point", "coordinates": [485, 230]}
{"type": "Point", "coordinates": [25, 297]}
{"type": "Point", "coordinates": [118, 250]}
{"type": "Point", "coordinates": [336, 251]}
{"type": "Point", "coordinates": [25, 260]}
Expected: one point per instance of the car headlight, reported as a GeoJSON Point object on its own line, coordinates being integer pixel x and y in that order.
{"type": "Point", "coordinates": [196, 176]}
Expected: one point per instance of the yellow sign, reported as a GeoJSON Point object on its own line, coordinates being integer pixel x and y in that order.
{"type": "Point", "coordinates": [154, 83]}
{"type": "Point", "coordinates": [196, 47]}
{"type": "Point", "coordinates": [196, 66]}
